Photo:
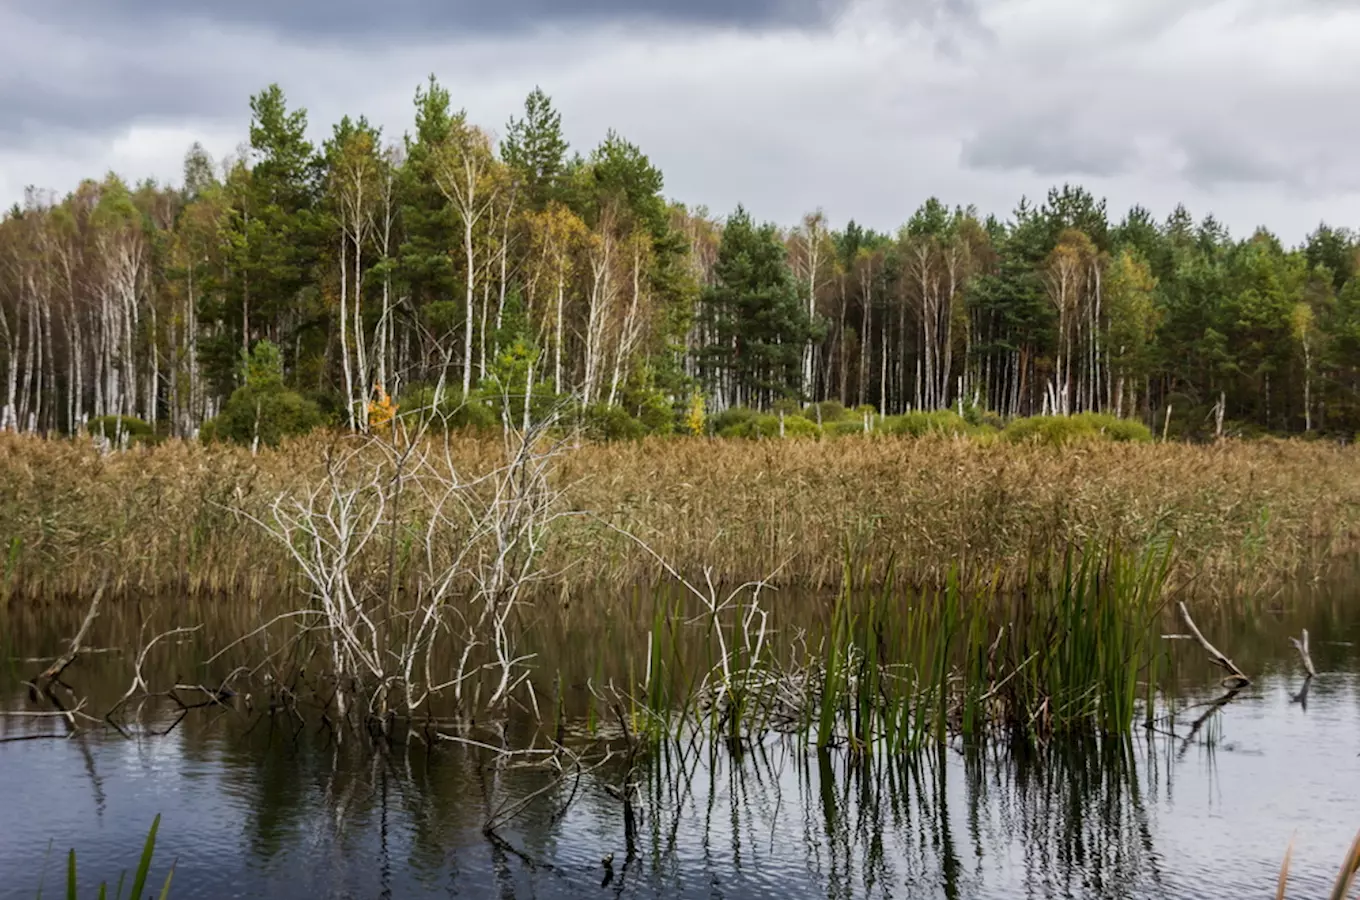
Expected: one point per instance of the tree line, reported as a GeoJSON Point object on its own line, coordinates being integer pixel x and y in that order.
{"type": "Point", "coordinates": [447, 265]}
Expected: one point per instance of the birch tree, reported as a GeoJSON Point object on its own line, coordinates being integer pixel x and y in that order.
{"type": "Point", "coordinates": [465, 172]}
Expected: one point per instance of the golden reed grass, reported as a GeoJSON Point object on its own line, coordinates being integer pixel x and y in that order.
{"type": "Point", "coordinates": [1242, 515]}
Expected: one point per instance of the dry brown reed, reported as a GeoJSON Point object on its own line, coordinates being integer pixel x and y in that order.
{"type": "Point", "coordinates": [1242, 515]}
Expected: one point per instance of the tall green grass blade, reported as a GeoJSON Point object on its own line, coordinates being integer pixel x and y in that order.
{"type": "Point", "coordinates": [144, 867]}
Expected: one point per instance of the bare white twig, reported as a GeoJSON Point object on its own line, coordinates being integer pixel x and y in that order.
{"type": "Point", "coordinates": [1302, 647]}
{"type": "Point", "coordinates": [1236, 677]}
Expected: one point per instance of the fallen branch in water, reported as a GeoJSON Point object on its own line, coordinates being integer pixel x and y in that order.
{"type": "Point", "coordinates": [42, 714]}
{"type": "Point", "coordinates": [1236, 677]}
{"type": "Point", "coordinates": [52, 674]}
{"type": "Point", "coordinates": [38, 660]}
{"type": "Point", "coordinates": [1302, 647]}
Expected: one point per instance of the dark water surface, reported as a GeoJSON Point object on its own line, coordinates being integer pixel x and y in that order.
{"type": "Point", "coordinates": [258, 809]}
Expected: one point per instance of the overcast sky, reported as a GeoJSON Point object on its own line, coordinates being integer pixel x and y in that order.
{"type": "Point", "coordinates": [1242, 108]}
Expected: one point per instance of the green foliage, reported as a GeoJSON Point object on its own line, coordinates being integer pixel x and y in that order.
{"type": "Point", "coordinates": [652, 409]}
{"type": "Point", "coordinates": [828, 411]}
{"type": "Point", "coordinates": [1056, 301]}
{"type": "Point", "coordinates": [424, 265]}
{"type": "Point", "coordinates": [139, 877]}
{"type": "Point", "coordinates": [757, 321]}
{"type": "Point", "coordinates": [417, 404]}
{"type": "Point", "coordinates": [603, 422]}
{"type": "Point", "coordinates": [116, 427]}
{"type": "Point", "coordinates": [843, 428]}
{"type": "Point", "coordinates": [918, 424]}
{"type": "Point", "coordinates": [535, 149]}
{"type": "Point", "coordinates": [730, 418]}
{"type": "Point", "coordinates": [768, 425]}
{"type": "Point", "coordinates": [263, 407]}
{"type": "Point", "coordinates": [270, 414]}
{"type": "Point", "coordinates": [1060, 431]}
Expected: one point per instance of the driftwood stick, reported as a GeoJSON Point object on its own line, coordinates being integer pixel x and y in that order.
{"type": "Point", "coordinates": [1237, 678]}
{"type": "Point", "coordinates": [1302, 647]}
{"type": "Point", "coordinates": [53, 672]}
{"type": "Point", "coordinates": [61, 662]}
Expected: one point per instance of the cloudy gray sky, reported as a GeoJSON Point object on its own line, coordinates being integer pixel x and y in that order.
{"type": "Point", "coordinates": [1242, 108]}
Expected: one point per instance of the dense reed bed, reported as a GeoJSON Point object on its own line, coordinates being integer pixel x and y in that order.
{"type": "Point", "coordinates": [1244, 515]}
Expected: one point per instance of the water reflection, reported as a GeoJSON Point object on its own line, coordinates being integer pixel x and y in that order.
{"type": "Point", "coordinates": [273, 811]}
{"type": "Point", "coordinates": [1201, 805]}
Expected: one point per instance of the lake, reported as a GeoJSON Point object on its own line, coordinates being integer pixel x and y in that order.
{"type": "Point", "coordinates": [270, 806]}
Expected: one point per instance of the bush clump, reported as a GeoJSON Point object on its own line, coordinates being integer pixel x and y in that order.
{"type": "Point", "coordinates": [767, 426]}
{"type": "Point", "coordinates": [263, 407]}
{"type": "Point", "coordinates": [731, 421]}
{"type": "Point", "coordinates": [1060, 431]}
{"type": "Point", "coordinates": [602, 422]}
{"type": "Point", "coordinates": [829, 411]}
{"type": "Point", "coordinates": [919, 424]}
{"type": "Point", "coordinates": [843, 428]}
{"type": "Point", "coordinates": [115, 428]}
{"type": "Point", "coordinates": [452, 411]}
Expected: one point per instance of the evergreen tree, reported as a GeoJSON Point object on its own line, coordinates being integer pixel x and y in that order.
{"type": "Point", "coordinates": [755, 316]}
{"type": "Point", "coordinates": [536, 151]}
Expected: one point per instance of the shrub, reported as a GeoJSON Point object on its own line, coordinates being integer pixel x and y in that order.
{"type": "Point", "coordinates": [696, 416]}
{"type": "Point", "coordinates": [919, 424]}
{"type": "Point", "coordinates": [1059, 431]}
{"type": "Point", "coordinates": [654, 410]}
{"type": "Point", "coordinates": [115, 427]}
{"type": "Point", "coordinates": [797, 427]}
{"type": "Point", "coordinates": [767, 426]}
{"type": "Point", "coordinates": [1125, 430]}
{"type": "Point", "coordinates": [263, 407]}
{"type": "Point", "coordinates": [272, 413]}
{"type": "Point", "coordinates": [452, 411]}
{"type": "Point", "coordinates": [829, 411]}
{"type": "Point", "coordinates": [843, 428]}
{"type": "Point", "coordinates": [727, 422]}
{"type": "Point", "coordinates": [602, 422]}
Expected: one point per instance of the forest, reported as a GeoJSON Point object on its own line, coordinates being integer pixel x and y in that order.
{"type": "Point", "coordinates": [303, 285]}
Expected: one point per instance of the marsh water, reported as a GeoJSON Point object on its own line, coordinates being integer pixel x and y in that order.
{"type": "Point", "coordinates": [1202, 805]}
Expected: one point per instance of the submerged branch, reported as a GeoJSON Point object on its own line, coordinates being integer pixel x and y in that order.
{"type": "Point", "coordinates": [44, 680]}
{"type": "Point", "coordinates": [1236, 677]}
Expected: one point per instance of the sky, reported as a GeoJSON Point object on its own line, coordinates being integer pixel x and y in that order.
{"type": "Point", "coordinates": [861, 108]}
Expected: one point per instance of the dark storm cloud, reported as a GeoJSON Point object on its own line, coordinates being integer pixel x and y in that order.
{"type": "Point", "coordinates": [367, 20]}
{"type": "Point", "coordinates": [91, 66]}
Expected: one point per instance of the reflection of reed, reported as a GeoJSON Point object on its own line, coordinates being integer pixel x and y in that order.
{"type": "Point", "coordinates": [940, 821]}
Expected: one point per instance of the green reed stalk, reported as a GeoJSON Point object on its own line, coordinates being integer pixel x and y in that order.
{"type": "Point", "coordinates": [139, 878]}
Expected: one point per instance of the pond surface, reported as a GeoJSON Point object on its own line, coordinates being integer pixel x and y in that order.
{"type": "Point", "coordinates": [258, 808]}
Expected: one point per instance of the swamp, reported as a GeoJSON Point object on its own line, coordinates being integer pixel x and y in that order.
{"type": "Point", "coordinates": [422, 663]}
{"type": "Point", "coordinates": [443, 510]}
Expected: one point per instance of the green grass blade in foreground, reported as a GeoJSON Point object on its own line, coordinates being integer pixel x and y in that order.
{"type": "Point", "coordinates": [144, 867]}
{"type": "Point", "coordinates": [139, 880]}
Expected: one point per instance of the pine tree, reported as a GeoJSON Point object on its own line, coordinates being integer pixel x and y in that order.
{"type": "Point", "coordinates": [536, 151]}
{"type": "Point", "coordinates": [755, 317]}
